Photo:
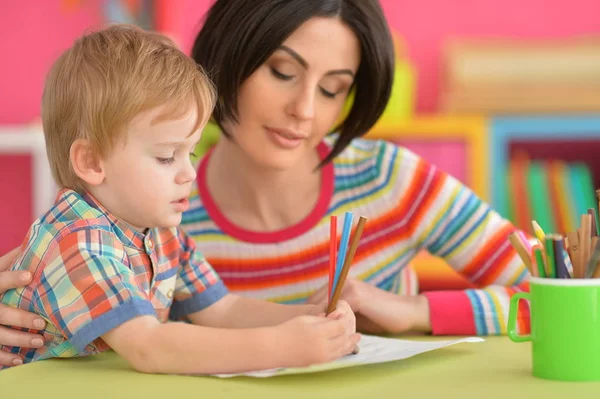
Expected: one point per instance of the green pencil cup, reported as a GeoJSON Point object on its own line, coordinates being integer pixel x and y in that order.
{"type": "Point", "coordinates": [565, 328]}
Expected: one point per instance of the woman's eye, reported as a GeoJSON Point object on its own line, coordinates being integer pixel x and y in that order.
{"type": "Point", "coordinates": [165, 161]}
{"type": "Point", "coordinates": [280, 75]}
{"type": "Point", "coordinates": [327, 93]}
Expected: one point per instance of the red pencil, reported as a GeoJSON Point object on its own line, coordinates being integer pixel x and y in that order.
{"type": "Point", "coordinates": [332, 254]}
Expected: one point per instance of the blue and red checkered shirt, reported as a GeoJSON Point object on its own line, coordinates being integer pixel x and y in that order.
{"type": "Point", "coordinates": [92, 272]}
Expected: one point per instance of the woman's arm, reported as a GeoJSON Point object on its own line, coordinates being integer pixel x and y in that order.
{"type": "Point", "coordinates": [16, 317]}
{"type": "Point", "coordinates": [465, 231]}
{"type": "Point", "coordinates": [448, 220]}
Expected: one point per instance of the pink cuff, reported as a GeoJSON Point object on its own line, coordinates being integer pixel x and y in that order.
{"type": "Point", "coordinates": [451, 313]}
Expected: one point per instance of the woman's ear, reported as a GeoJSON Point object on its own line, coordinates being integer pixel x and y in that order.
{"type": "Point", "coordinates": [87, 165]}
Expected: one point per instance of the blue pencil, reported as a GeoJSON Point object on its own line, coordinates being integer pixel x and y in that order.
{"type": "Point", "coordinates": [341, 255]}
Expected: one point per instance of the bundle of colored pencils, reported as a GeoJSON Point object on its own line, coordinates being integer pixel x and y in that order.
{"type": "Point", "coordinates": [341, 258]}
{"type": "Point", "coordinates": [546, 257]}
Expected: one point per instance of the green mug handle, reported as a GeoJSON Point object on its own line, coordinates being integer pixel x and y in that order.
{"type": "Point", "coordinates": [512, 317]}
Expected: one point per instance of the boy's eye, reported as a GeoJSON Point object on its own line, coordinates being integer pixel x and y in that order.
{"type": "Point", "coordinates": [193, 155]}
{"type": "Point", "coordinates": [165, 161]}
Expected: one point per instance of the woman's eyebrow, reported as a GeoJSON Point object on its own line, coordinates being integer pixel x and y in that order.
{"type": "Point", "coordinates": [305, 65]}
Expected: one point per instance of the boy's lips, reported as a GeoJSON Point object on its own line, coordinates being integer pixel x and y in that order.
{"type": "Point", "coordinates": [182, 204]}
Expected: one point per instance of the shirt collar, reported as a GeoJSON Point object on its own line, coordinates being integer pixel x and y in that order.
{"type": "Point", "coordinates": [126, 234]}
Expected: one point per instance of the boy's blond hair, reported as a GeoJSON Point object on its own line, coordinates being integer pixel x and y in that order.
{"type": "Point", "coordinates": [108, 77]}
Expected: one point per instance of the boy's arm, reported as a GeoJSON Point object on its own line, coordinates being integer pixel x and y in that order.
{"type": "Point", "coordinates": [179, 348]}
{"type": "Point", "coordinates": [234, 311]}
{"type": "Point", "coordinates": [234, 334]}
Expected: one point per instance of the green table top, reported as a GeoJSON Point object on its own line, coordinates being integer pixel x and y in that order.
{"type": "Point", "coordinates": [497, 368]}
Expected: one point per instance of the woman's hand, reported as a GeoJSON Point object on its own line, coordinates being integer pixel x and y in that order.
{"type": "Point", "coordinates": [16, 317]}
{"type": "Point", "coordinates": [379, 311]}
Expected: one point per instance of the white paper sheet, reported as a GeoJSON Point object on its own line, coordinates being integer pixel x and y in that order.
{"type": "Point", "coordinates": [373, 349]}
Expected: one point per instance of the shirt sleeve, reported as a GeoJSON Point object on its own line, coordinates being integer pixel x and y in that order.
{"type": "Point", "coordinates": [198, 285]}
{"type": "Point", "coordinates": [85, 288]}
{"type": "Point", "coordinates": [472, 238]}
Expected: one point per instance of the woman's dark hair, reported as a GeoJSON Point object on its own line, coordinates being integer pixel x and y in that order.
{"type": "Point", "coordinates": [239, 35]}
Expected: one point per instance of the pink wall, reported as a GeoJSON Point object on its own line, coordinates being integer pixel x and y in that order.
{"type": "Point", "coordinates": [425, 23]}
{"type": "Point", "coordinates": [34, 32]}
{"type": "Point", "coordinates": [29, 42]}
{"type": "Point", "coordinates": [32, 39]}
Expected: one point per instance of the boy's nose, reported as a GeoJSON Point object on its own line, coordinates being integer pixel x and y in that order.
{"type": "Point", "coordinates": [187, 174]}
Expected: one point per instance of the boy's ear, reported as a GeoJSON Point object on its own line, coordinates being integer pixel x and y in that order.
{"type": "Point", "coordinates": [86, 165]}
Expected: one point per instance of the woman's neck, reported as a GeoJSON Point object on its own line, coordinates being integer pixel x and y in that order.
{"type": "Point", "coordinates": [259, 199]}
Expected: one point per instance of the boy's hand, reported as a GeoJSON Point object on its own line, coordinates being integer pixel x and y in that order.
{"type": "Point", "coordinates": [16, 317]}
{"type": "Point", "coordinates": [344, 312]}
{"type": "Point", "coordinates": [307, 340]}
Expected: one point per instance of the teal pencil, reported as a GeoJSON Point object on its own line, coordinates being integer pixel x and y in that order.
{"type": "Point", "coordinates": [549, 247]}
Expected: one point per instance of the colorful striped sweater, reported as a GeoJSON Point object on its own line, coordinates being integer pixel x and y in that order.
{"type": "Point", "coordinates": [410, 205]}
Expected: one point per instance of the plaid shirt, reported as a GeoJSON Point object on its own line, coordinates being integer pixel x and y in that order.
{"type": "Point", "coordinates": [92, 272]}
